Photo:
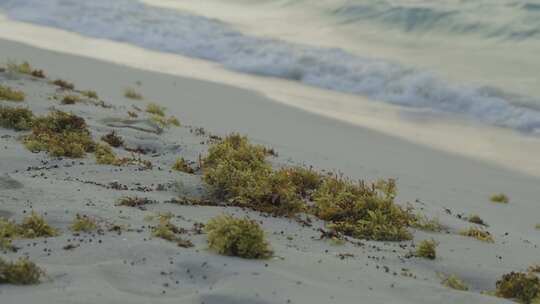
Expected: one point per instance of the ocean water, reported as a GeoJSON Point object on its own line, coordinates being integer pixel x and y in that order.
{"type": "Point", "coordinates": [488, 27]}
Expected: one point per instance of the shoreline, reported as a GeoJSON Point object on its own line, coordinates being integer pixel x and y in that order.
{"type": "Point", "coordinates": [127, 268]}
{"type": "Point", "coordinates": [510, 150]}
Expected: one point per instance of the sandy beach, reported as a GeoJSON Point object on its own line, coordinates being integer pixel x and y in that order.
{"type": "Point", "coordinates": [134, 267]}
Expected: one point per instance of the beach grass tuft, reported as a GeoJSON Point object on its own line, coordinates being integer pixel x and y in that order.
{"type": "Point", "coordinates": [422, 222]}
{"type": "Point", "coordinates": [182, 165]}
{"type": "Point", "coordinates": [34, 226]}
{"type": "Point", "coordinates": [475, 219]}
{"type": "Point", "coordinates": [132, 94]}
{"type": "Point", "coordinates": [64, 84]}
{"type": "Point", "coordinates": [479, 234]}
{"type": "Point", "coordinates": [60, 134]}
{"type": "Point", "coordinates": [90, 94]}
{"type": "Point", "coordinates": [21, 272]}
{"type": "Point", "coordinates": [113, 139]}
{"type": "Point", "coordinates": [165, 122]}
{"type": "Point", "coordinates": [427, 249]}
{"type": "Point", "coordinates": [500, 198]}
{"type": "Point", "coordinates": [83, 223]}
{"type": "Point", "coordinates": [70, 99]}
{"type": "Point", "coordinates": [18, 119]}
{"type": "Point", "coordinates": [239, 237]}
{"type": "Point", "coordinates": [105, 155]}
{"type": "Point", "coordinates": [9, 94]}
{"type": "Point", "coordinates": [363, 210]}
{"type": "Point", "coordinates": [170, 232]}
{"type": "Point", "coordinates": [24, 68]}
{"type": "Point", "coordinates": [454, 282]}
{"type": "Point", "coordinates": [154, 108]}
{"type": "Point", "coordinates": [524, 287]}
{"type": "Point", "coordinates": [236, 170]}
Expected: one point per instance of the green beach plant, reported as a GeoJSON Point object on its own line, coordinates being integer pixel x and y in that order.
{"type": "Point", "coordinates": [64, 84]}
{"type": "Point", "coordinates": [170, 232]}
{"type": "Point", "coordinates": [524, 287]}
{"type": "Point", "coordinates": [113, 139]}
{"type": "Point", "coordinates": [236, 171]}
{"type": "Point", "coordinates": [427, 249]}
{"type": "Point", "coordinates": [105, 155]}
{"type": "Point", "coordinates": [90, 94]}
{"type": "Point", "coordinates": [83, 223]}
{"type": "Point", "coordinates": [60, 134]}
{"type": "Point", "coordinates": [422, 222]}
{"type": "Point", "coordinates": [21, 68]}
{"type": "Point", "coordinates": [454, 282]}
{"type": "Point", "coordinates": [475, 219]}
{"type": "Point", "coordinates": [500, 198]}
{"type": "Point", "coordinates": [182, 165]}
{"type": "Point", "coordinates": [21, 272]}
{"type": "Point", "coordinates": [239, 237]}
{"type": "Point", "coordinates": [479, 234]}
{"type": "Point", "coordinates": [154, 108]}
{"type": "Point", "coordinates": [132, 94]}
{"type": "Point", "coordinates": [34, 226]}
{"type": "Point", "coordinates": [70, 99]}
{"type": "Point", "coordinates": [18, 119]}
{"type": "Point", "coordinates": [9, 94]}
{"type": "Point", "coordinates": [362, 210]}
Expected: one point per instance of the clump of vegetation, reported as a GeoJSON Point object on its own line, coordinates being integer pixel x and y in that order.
{"type": "Point", "coordinates": [534, 268]}
{"type": "Point", "coordinates": [105, 155]}
{"type": "Point", "coordinates": [237, 171]}
{"type": "Point", "coordinates": [500, 198]}
{"type": "Point", "coordinates": [21, 272]}
{"type": "Point", "coordinates": [154, 108]}
{"type": "Point", "coordinates": [132, 94]}
{"type": "Point", "coordinates": [475, 219]}
{"type": "Point", "coordinates": [305, 180]}
{"type": "Point", "coordinates": [537, 226]}
{"type": "Point", "coordinates": [64, 84]}
{"type": "Point", "coordinates": [165, 122]}
{"type": "Point", "coordinates": [427, 249]}
{"type": "Point", "coordinates": [134, 201]}
{"type": "Point", "coordinates": [8, 231]}
{"type": "Point", "coordinates": [83, 223]}
{"type": "Point", "coordinates": [479, 234]}
{"type": "Point", "coordinates": [24, 68]}
{"type": "Point", "coordinates": [21, 68]}
{"type": "Point", "coordinates": [422, 222]}
{"type": "Point", "coordinates": [362, 210]}
{"type": "Point", "coordinates": [182, 165]}
{"type": "Point", "coordinates": [34, 226]}
{"type": "Point", "coordinates": [18, 119]}
{"type": "Point", "coordinates": [38, 73]}
{"type": "Point", "coordinates": [70, 99]}
{"type": "Point", "coordinates": [168, 231]}
{"type": "Point", "coordinates": [113, 139]}
{"type": "Point", "coordinates": [9, 94]}
{"type": "Point", "coordinates": [455, 283]}
{"type": "Point", "coordinates": [90, 94]}
{"type": "Point", "coordinates": [60, 134]}
{"type": "Point", "coordinates": [520, 286]}
{"type": "Point", "coordinates": [237, 237]}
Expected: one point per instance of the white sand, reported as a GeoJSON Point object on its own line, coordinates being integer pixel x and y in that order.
{"type": "Point", "coordinates": [128, 268]}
